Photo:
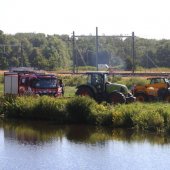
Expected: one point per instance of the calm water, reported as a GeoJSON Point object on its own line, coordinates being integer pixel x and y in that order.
{"type": "Point", "coordinates": [45, 146]}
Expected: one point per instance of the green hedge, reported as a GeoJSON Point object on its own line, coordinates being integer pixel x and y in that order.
{"type": "Point", "coordinates": [83, 110]}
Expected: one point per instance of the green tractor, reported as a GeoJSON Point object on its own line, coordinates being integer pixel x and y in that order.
{"type": "Point", "coordinates": [100, 89]}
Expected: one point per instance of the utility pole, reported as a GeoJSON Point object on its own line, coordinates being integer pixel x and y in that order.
{"type": "Point", "coordinates": [74, 52]}
{"type": "Point", "coordinates": [133, 52]}
{"type": "Point", "coordinates": [97, 48]}
{"type": "Point", "coordinates": [22, 60]}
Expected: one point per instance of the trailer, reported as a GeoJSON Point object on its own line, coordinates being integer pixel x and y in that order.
{"type": "Point", "coordinates": [32, 83]}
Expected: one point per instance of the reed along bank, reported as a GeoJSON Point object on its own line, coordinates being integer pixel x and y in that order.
{"type": "Point", "coordinates": [84, 110]}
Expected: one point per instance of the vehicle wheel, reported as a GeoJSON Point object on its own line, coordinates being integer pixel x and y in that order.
{"type": "Point", "coordinates": [167, 98]}
{"type": "Point", "coordinates": [116, 98]}
{"type": "Point", "coordinates": [130, 98]}
{"type": "Point", "coordinates": [140, 97]}
{"type": "Point", "coordinates": [162, 93]}
{"type": "Point", "coordinates": [84, 91]}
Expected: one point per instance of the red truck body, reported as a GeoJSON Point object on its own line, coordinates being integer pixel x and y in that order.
{"type": "Point", "coordinates": [27, 83]}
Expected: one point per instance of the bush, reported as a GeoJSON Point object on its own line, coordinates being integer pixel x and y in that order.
{"type": "Point", "coordinates": [50, 108]}
{"type": "Point", "coordinates": [36, 108]}
{"type": "Point", "coordinates": [140, 115]}
{"type": "Point", "coordinates": [149, 120]}
{"type": "Point", "coordinates": [101, 115]}
{"type": "Point", "coordinates": [79, 109]}
{"type": "Point", "coordinates": [123, 114]}
{"type": "Point", "coordinates": [145, 116]}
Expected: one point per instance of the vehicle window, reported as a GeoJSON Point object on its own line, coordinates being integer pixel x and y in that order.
{"type": "Point", "coordinates": [94, 79]}
{"type": "Point", "coordinates": [22, 82]}
{"type": "Point", "coordinates": [166, 81]}
{"type": "Point", "coordinates": [106, 78]}
{"type": "Point", "coordinates": [45, 83]}
{"type": "Point", "coordinates": [89, 79]}
{"type": "Point", "coordinates": [162, 81]}
{"type": "Point", "coordinates": [154, 81]}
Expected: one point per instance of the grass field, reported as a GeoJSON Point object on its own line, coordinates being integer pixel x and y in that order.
{"type": "Point", "coordinates": [72, 81]}
{"type": "Point", "coordinates": [70, 91]}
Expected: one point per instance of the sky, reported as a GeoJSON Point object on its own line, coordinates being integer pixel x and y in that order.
{"type": "Point", "coordinates": [146, 18]}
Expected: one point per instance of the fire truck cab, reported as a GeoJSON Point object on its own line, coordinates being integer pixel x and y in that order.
{"type": "Point", "coordinates": [32, 83]}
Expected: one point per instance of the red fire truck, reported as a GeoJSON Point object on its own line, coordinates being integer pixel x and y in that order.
{"type": "Point", "coordinates": [32, 83]}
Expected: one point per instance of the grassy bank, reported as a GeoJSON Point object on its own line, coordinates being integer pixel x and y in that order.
{"type": "Point", "coordinates": [83, 110]}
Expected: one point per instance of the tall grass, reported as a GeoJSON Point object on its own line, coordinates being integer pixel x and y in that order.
{"type": "Point", "coordinates": [41, 108]}
{"type": "Point", "coordinates": [84, 110]}
{"type": "Point", "coordinates": [145, 116]}
{"type": "Point", "coordinates": [73, 80]}
{"type": "Point", "coordinates": [79, 109]}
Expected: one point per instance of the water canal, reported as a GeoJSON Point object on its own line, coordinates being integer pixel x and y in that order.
{"type": "Point", "coordinates": [46, 146]}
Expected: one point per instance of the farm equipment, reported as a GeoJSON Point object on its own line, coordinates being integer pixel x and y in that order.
{"type": "Point", "coordinates": [157, 89]}
{"type": "Point", "coordinates": [100, 89]}
{"type": "Point", "coordinates": [31, 83]}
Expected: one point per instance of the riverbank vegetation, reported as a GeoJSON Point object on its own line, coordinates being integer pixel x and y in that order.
{"type": "Point", "coordinates": [83, 110]}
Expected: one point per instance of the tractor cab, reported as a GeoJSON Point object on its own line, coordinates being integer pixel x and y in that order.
{"type": "Point", "coordinates": [158, 82]}
{"type": "Point", "coordinates": [97, 80]}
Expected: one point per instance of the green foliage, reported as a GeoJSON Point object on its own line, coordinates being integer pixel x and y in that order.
{"type": "Point", "coordinates": [69, 91]}
{"type": "Point", "coordinates": [55, 51]}
{"type": "Point", "coordinates": [74, 80]}
{"type": "Point", "coordinates": [101, 115]}
{"type": "Point", "coordinates": [84, 110]}
{"type": "Point", "coordinates": [122, 115]}
{"type": "Point", "coordinates": [144, 116]}
{"type": "Point", "coordinates": [129, 82]}
{"type": "Point", "coordinates": [86, 68]}
{"type": "Point", "coordinates": [35, 108]}
{"type": "Point", "coordinates": [150, 120]}
{"type": "Point", "coordinates": [38, 50]}
{"type": "Point", "coordinates": [1, 79]}
{"type": "Point", "coordinates": [79, 109]}
{"type": "Point", "coordinates": [114, 79]}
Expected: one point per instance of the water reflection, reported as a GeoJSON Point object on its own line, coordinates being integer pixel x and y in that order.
{"type": "Point", "coordinates": [35, 133]}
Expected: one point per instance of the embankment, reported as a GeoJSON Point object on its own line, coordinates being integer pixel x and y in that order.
{"type": "Point", "coordinates": [83, 110]}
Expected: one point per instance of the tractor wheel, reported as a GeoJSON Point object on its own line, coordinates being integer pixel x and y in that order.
{"type": "Point", "coordinates": [84, 91]}
{"type": "Point", "coordinates": [117, 98]}
{"type": "Point", "coordinates": [140, 97]}
{"type": "Point", "coordinates": [167, 98]}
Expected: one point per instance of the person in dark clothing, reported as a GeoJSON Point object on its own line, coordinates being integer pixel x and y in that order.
{"type": "Point", "coordinates": [61, 85]}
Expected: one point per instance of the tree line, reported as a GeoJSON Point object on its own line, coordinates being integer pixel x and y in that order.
{"type": "Point", "coordinates": [56, 51]}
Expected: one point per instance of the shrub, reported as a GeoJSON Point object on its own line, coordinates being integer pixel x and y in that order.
{"type": "Point", "coordinates": [17, 107]}
{"type": "Point", "coordinates": [36, 108]}
{"type": "Point", "coordinates": [101, 115]}
{"type": "Point", "coordinates": [150, 120]}
{"type": "Point", "coordinates": [50, 108]}
{"type": "Point", "coordinates": [146, 116]}
{"type": "Point", "coordinates": [122, 114]}
{"type": "Point", "coordinates": [79, 109]}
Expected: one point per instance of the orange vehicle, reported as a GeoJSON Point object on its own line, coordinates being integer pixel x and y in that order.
{"type": "Point", "coordinates": [157, 89]}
